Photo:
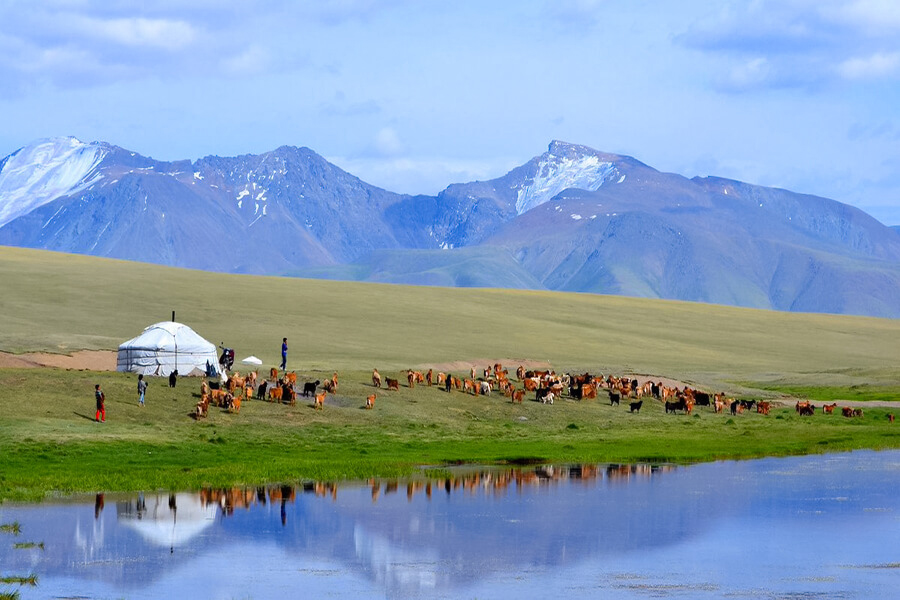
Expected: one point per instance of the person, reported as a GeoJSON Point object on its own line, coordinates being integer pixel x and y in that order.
{"type": "Point", "coordinates": [448, 383]}
{"type": "Point", "coordinates": [101, 404]}
{"type": "Point", "coordinates": [284, 354]}
{"type": "Point", "coordinates": [142, 387]}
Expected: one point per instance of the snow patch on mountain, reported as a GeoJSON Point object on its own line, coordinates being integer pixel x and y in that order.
{"type": "Point", "coordinates": [44, 171]}
{"type": "Point", "coordinates": [557, 173]}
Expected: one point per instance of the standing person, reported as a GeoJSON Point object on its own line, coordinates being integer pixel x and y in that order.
{"type": "Point", "coordinates": [284, 354]}
{"type": "Point", "coordinates": [101, 404]}
{"type": "Point", "coordinates": [142, 387]}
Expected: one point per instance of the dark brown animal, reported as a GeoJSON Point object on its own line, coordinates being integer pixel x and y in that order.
{"type": "Point", "coordinates": [635, 406]}
{"type": "Point", "coordinates": [392, 384]}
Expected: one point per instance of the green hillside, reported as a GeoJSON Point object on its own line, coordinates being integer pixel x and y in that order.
{"type": "Point", "coordinates": [59, 303]}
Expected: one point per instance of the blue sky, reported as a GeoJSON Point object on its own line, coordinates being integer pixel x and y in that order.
{"type": "Point", "coordinates": [415, 95]}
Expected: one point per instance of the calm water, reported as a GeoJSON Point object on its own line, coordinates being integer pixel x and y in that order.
{"type": "Point", "coordinates": [799, 528]}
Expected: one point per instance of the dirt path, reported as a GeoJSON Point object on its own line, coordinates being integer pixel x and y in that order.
{"type": "Point", "coordinates": [91, 360]}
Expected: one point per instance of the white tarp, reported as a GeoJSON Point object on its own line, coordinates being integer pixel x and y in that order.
{"type": "Point", "coordinates": [164, 347]}
{"type": "Point", "coordinates": [251, 360]}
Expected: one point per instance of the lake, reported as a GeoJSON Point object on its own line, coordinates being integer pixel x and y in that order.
{"type": "Point", "coordinates": [824, 526]}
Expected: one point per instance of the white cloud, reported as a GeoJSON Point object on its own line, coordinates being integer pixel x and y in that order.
{"type": "Point", "coordinates": [254, 59]}
{"type": "Point", "coordinates": [876, 66]}
{"type": "Point", "coordinates": [135, 31]}
{"type": "Point", "coordinates": [388, 143]}
{"type": "Point", "coordinates": [421, 175]}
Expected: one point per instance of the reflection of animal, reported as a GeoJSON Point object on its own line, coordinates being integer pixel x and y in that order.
{"type": "Point", "coordinates": [309, 388]}
{"type": "Point", "coordinates": [376, 378]}
{"type": "Point", "coordinates": [392, 384]}
{"type": "Point", "coordinates": [370, 401]}
{"type": "Point", "coordinates": [320, 400]}
{"type": "Point", "coordinates": [635, 406]}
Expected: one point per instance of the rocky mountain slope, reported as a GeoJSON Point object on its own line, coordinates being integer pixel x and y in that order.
{"type": "Point", "coordinates": [571, 219]}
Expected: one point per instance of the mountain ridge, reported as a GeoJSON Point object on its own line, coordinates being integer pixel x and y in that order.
{"type": "Point", "coordinates": [571, 219]}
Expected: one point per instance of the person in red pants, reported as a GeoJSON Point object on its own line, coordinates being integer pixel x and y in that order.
{"type": "Point", "coordinates": [101, 404]}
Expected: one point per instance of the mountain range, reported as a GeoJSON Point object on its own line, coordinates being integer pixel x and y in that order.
{"type": "Point", "coordinates": [571, 219]}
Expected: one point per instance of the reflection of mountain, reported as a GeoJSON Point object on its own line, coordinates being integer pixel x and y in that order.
{"type": "Point", "coordinates": [170, 521]}
{"type": "Point", "coordinates": [437, 537]}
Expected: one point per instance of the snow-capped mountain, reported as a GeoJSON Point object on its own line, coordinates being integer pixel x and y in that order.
{"type": "Point", "coordinates": [562, 167]}
{"type": "Point", "coordinates": [44, 171]}
{"type": "Point", "coordinates": [571, 219]}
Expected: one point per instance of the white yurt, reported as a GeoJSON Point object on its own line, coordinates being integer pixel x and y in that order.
{"type": "Point", "coordinates": [165, 347]}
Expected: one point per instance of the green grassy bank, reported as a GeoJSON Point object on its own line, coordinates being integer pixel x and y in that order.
{"type": "Point", "coordinates": [61, 303]}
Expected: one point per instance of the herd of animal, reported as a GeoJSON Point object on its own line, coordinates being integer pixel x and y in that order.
{"type": "Point", "coordinates": [546, 385]}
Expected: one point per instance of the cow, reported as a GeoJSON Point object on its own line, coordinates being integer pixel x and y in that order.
{"type": "Point", "coordinates": [370, 401]}
{"type": "Point", "coordinates": [392, 384]}
{"type": "Point", "coordinates": [635, 406]}
{"type": "Point", "coordinates": [376, 378]}
{"type": "Point", "coordinates": [309, 388]}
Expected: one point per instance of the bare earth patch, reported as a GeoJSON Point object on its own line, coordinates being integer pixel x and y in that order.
{"type": "Point", "coordinates": [91, 360]}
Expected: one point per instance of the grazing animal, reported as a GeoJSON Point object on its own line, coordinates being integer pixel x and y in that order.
{"type": "Point", "coordinates": [614, 397]}
{"type": "Point", "coordinates": [376, 378]}
{"type": "Point", "coordinates": [679, 404]}
{"type": "Point", "coordinates": [520, 373]}
{"type": "Point", "coordinates": [309, 388]}
{"type": "Point", "coordinates": [290, 394]}
{"type": "Point", "coordinates": [392, 384]}
{"type": "Point", "coordinates": [173, 377]}
{"type": "Point", "coordinates": [411, 379]}
{"type": "Point", "coordinates": [370, 401]}
{"type": "Point", "coordinates": [273, 373]}
{"type": "Point", "coordinates": [485, 388]}
{"type": "Point", "coordinates": [736, 406]}
{"type": "Point", "coordinates": [829, 408]}
{"type": "Point", "coordinates": [320, 400]}
{"type": "Point", "coordinates": [763, 407]}
{"type": "Point", "coordinates": [857, 412]}
{"type": "Point", "coordinates": [429, 376]}
{"type": "Point", "coordinates": [799, 405]}
{"type": "Point", "coordinates": [235, 406]}
{"type": "Point", "coordinates": [808, 410]}
{"type": "Point", "coordinates": [261, 390]}
{"type": "Point", "coordinates": [518, 396]}
{"type": "Point", "coordinates": [291, 377]}
{"type": "Point", "coordinates": [635, 406]}
{"type": "Point", "coordinates": [701, 398]}
{"type": "Point", "coordinates": [547, 398]}
{"type": "Point", "coordinates": [275, 393]}
{"type": "Point", "coordinates": [890, 417]}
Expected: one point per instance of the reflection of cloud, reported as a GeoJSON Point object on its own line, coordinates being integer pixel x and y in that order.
{"type": "Point", "coordinates": [168, 521]}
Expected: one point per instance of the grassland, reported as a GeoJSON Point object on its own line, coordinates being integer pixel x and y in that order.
{"type": "Point", "coordinates": [61, 303]}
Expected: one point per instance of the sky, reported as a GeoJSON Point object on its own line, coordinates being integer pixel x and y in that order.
{"type": "Point", "coordinates": [413, 95]}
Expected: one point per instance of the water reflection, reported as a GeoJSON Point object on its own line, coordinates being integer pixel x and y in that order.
{"type": "Point", "coordinates": [587, 530]}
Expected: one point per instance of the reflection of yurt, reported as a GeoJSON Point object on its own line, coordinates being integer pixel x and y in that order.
{"type": "Point", "coordinates": [165, 347]}
{"type": "Point", "coordinates": [167, 520]}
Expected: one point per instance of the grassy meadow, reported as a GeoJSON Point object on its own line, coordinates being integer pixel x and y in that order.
{"type": "Point", "coordinates": [61, 303]}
